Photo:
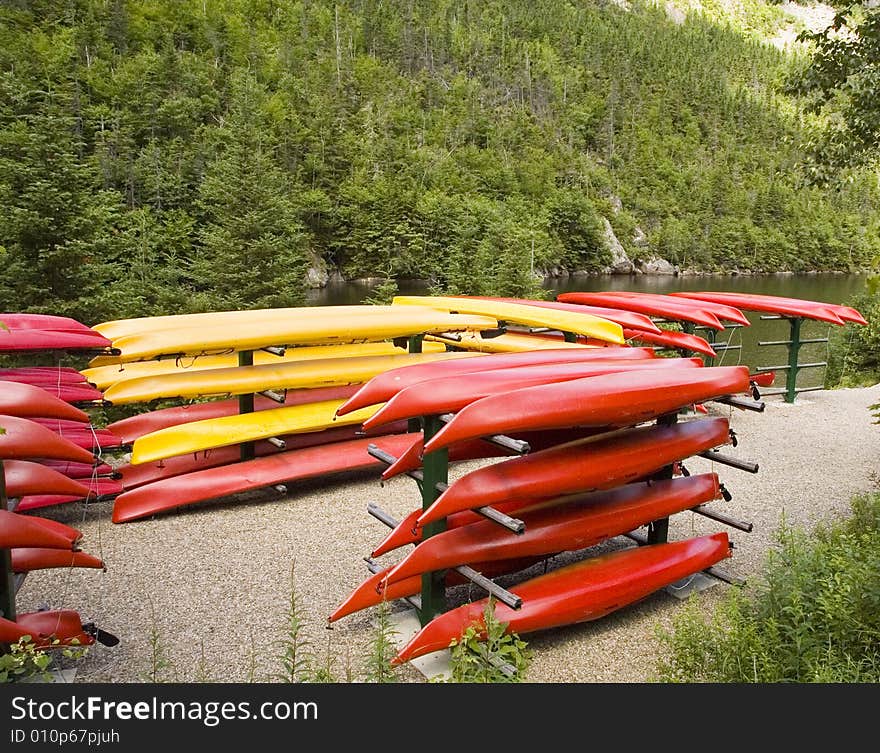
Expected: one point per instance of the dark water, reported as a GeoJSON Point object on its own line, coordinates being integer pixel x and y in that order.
{"type": "Point", "coordinates": [832, 288]}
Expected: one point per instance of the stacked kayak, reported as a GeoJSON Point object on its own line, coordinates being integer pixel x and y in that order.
{"type": "Point", "coordinates": [570, 493]}
{"type": "Point", "coordinates": [32, 333]}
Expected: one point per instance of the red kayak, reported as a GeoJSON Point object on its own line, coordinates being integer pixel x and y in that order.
{"type": "Point", "coordinates": [79, 470]}
{"type": "Point", "coordinates": [88, 438]}
{"type": "Point", "coordinates": [629, 319]}
{"type": "Point", "coordinates": [45, 628]}
{"type": "Point", "coordinates": [222, 481]}
{"type": "Point", "coordinates": [370, 594]}
{"type": "Point", "coordinates": [670, 310]}
{"type": "Point", "coordinates": [98, 489]}
{"type": "Point", "coordinates": [23, 530]}
{"type": "Point", "coordinates": [130, 429]}
{"type": "Point", "coordinates": [619, 399]}
{"type": "Point", "coordinates": [771, 304]}
{"type": "Point", "coordinates": [43, 321]}
{"type": "Point", "coordinates": [33, 340]}
{"type": "Point", "coordinates": [585, 590]}
{"type": "Point", "coordinates": [24, 439]}
{"type": "Point", "coordinates": [720, 310]}
{"type": "Point", "coordinates": [75, 393]}
{"type": "Point", "coordinates": [450, 394]}
{"type": "Point", "coordinates": [383, 387]}
{"type": "Point", "coordinates": [564, 527]}
{"type": "Point", "coordinates": [588, 464]}
{"type": "Point", "coordinates": [26, 477]}
{"type": "Point", "coordinates": [26, 559]}
{"type": "Point", "coordinates": [672, 339]}
{"type": "Point", "coordinates": [40, 375]}
{"type": "Point", "coordinates": [26, 400]}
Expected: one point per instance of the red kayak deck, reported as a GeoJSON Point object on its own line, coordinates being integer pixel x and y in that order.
{"type": "Point", "coordinates": [585, 465]}
{"type": "Point", "coordinates": [618, 399]}
{"type": "Point", "coordinates": [222, 481]}
{"type": "Point", "coordinates": [586, 590]}
{"type": "Point", "coordinates": [23, 530]}
{"type": "Point", "coordinates": [79, 470]}
{"type": "Point", "coordinates": [27, 477]}
{"type": "Point", "coordinates": [771, 304]}
{"type": "Point", "coordinates": [27, 401]}
{"type": "Point", "coordinates": [670, 310]}
{"type": "Point", "coordinates": [36, 340]}
{"type": "Point", "coordinates": [450, 394]}
{"type": "Point", "coordinates": [49, 322]}
{"type": "Point", "coordinates": [722, 311]}
{"type": "Point", "coordinates": [24, 439]}
{"type": "Point", "coordinates": [566, 526]}
{"type": "Point", "coordinates": [43, 375]}
{"type": "Point", "coordinates": [59, 628]}
{"type": "Point", "coordinates": [383, 387]}
{"type": "Point", "coordinates": [130, 429]}
{"type": "Point", "coordinates": [622, 317]}
{"type": "Point", "coordinates": [28, 559]}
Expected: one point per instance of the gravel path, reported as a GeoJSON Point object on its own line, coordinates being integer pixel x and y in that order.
{"type": "Point", "coordinates": [209, 587]}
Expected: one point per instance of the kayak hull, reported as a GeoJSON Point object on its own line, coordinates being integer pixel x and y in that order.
{"type": "Point", "coordinates": [585, 465]}
{"type": "Point", "coordinates": [451, 394]}
{"type": "Point", "coordinates": [28, 559]}
{"type": "Point", "coordinates": [383, 387]}
{"type": "Point", "coordinates": [617, 399]}
{"type": "Point", "coordinates": [650, 307]}
{"type": "Point", "coordinates": [50, 629]}
{"type": "Point", "coordinates": [24, 439]}
{"type": "Point", "coordinates": [586, 590]}
{"type": "Point", "coordinates": [214, 483]}
{"type": "Point", "coordinates": [826, 312]}
{"type": "Point", "coordinates": [26, 531]}
{"type": "Point", "coordinates": [28, 401]}
{"type": "Point", "coordinates": [26, 477]}
{"type": "Point", "coordinates": [568, 526]}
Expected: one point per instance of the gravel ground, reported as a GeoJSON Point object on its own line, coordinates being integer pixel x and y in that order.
{"type": "Point", "coordinates": [208, 588]}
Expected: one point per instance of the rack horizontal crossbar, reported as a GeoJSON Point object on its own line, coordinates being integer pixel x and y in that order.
{"type": "Point", "coordinates": [276, 442]}
{"type": "Point", "coordinates": [741, 402]}
{"type": "Point", "coordinates": [508, 443]}
{"type": "Point", "coordinates": [717, 457]}
{"type": "Point", "coordinates": [275, 350]}
{"type": "Point", "coordinates": [723, 346]}
{"type": "Point", "coordinates": [708, 512]}
{"type": "Point", "coordinates": [278, 397]}
{"type": "Point", "coordinates": [789, 342]}
{"type": "Point", "coordinates": [815, 365]}
{"type": "Point", "coordinates": [781, 391]}
{"type": "Point", "coordinates": [478, 579]}
{"type": "Point", "coordinates": [512, 524]}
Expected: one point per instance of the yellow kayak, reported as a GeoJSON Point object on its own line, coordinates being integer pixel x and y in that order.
{"type": "Point", "coordinates": [212, 319]}
{"type": "Point", "coordinates": [230, 430]}
{"type": "Point", "coordinates": [509, 342]}
{"type": "Point", "coordinates": [522, 314]}
{"type": "Point", "coordinates": [242, 380]}
{"type": "Point", "coordinates": [324, 330]}
{"type": "Point", "coordinates": [106, 370]}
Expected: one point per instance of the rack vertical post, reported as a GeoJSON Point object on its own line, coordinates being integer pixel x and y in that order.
{"type": "Point", "coordinates": [246, 403]}
{"type": "Point", "coordinates": [658, 530]}
{"type": "Point", "coordinates": [435, 467]}
{"type": "Point", "coordinates": [7, 579]}
{"type": "Point", "coordinates": [794, 348]}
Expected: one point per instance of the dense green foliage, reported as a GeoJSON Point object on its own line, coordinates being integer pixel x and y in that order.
{"type": "Point", "coordinates": [813, 617]}
{"type": "Point", "coordinates": [160, 156]}
{"type": "Point", "coordinates": [843, 76]}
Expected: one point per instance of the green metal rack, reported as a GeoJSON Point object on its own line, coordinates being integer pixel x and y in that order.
{"type": "Point", "coordinates": [793, 346]}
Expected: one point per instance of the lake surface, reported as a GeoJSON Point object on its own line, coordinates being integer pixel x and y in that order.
{"type": "Point", "coordinates": [832, 288]}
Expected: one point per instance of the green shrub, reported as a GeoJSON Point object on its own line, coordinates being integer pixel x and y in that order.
{"type": "Point", "coordinates": [814, 615]}
{"type": "Point", "coordinates": [854, 351]}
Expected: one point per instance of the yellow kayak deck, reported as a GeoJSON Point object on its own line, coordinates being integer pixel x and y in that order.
{"type": "Point", "coordinates": [522, 314]}
{"type": "Point", "coordinates": [107, 370]}
{"type": "Point", "coordinates": [247, 427]}
{"type": "Point", "coordinates": [211, 319]}
{"type": "Point", "coordinates": [309, 330]}
{"type": "Point", "coordinates": [241, 380]}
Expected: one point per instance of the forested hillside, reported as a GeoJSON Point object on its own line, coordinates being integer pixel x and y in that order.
{"type": "Point", "coordinates": [169, 155]}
